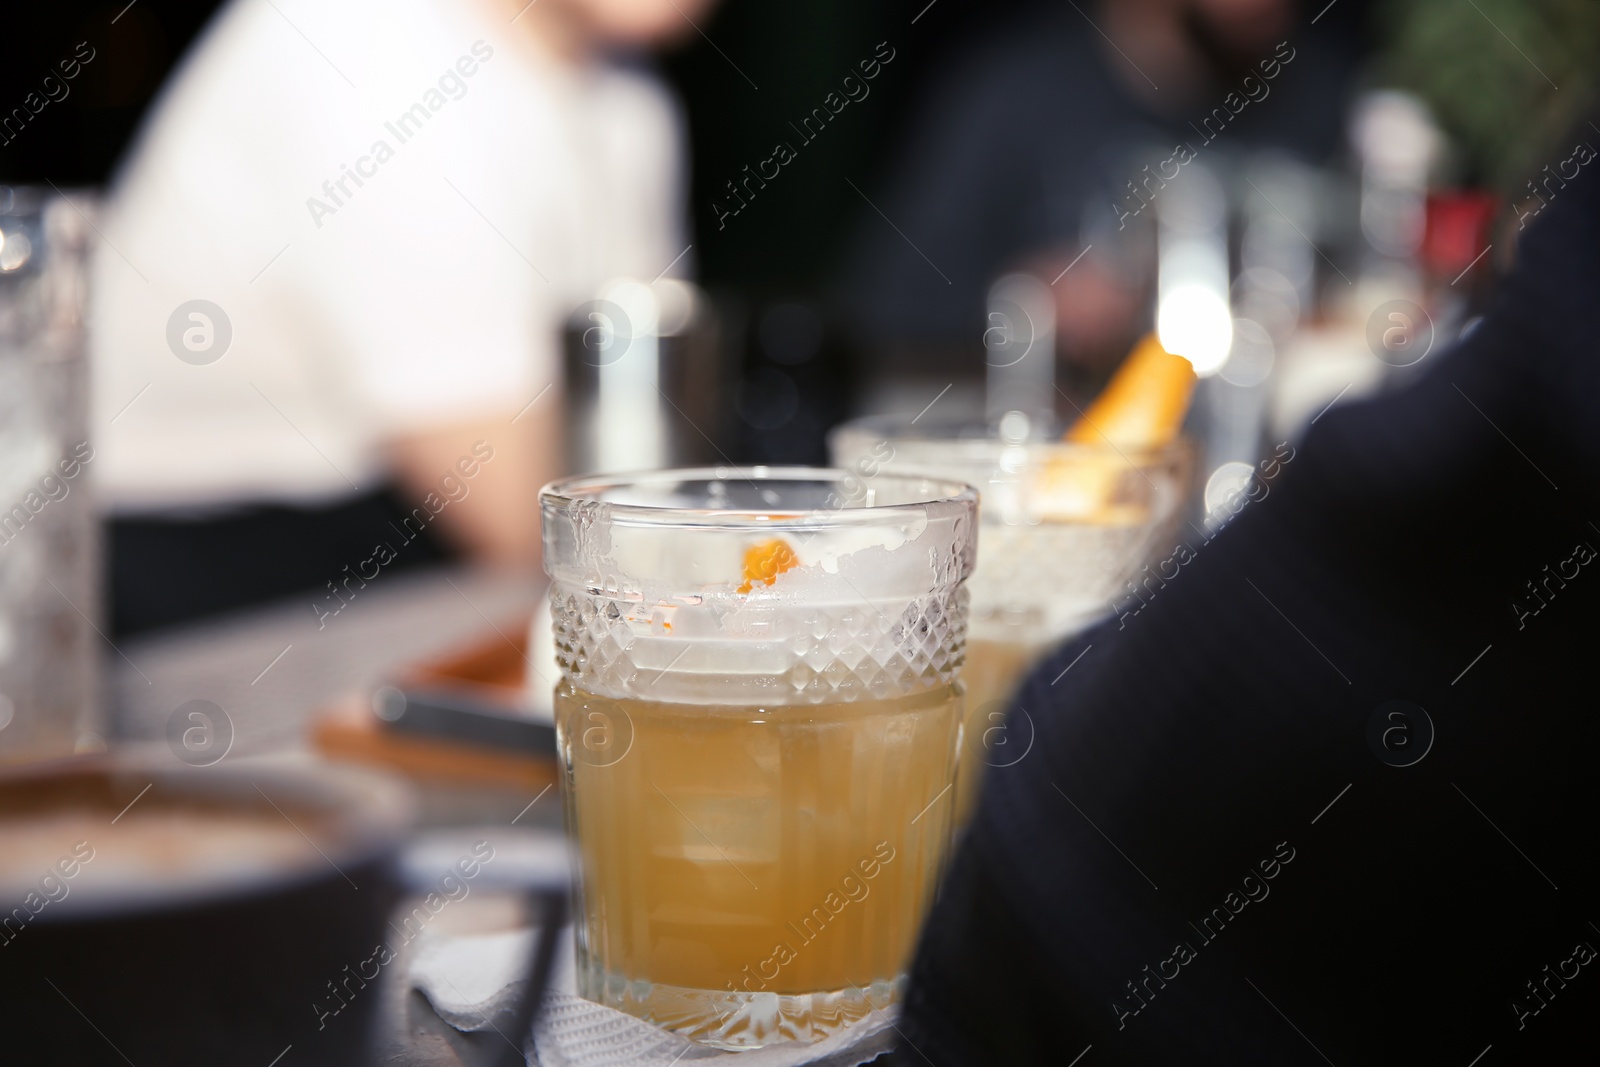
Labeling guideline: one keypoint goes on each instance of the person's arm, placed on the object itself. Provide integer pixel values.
(1283, 787)
(493, 513)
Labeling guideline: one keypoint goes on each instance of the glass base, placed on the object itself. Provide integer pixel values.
(738, 1021)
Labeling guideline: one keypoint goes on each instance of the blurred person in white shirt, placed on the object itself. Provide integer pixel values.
(338, 261)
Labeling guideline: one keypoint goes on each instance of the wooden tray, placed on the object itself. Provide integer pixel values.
(489, 672)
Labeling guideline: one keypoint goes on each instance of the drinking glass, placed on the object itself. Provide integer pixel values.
(1066, 528)
(758, 723)
(49, 546)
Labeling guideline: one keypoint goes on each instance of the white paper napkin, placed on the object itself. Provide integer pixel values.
(468, 980)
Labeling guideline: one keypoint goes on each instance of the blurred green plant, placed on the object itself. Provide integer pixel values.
(1508, 80)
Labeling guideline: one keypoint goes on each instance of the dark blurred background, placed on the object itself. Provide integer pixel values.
(788, 246)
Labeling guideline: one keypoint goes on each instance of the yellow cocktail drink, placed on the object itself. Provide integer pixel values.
(1065, 525)
(759, 723)
(756, 849)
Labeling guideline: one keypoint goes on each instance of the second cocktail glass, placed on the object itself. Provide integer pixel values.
(1065, 527)
(758, 723)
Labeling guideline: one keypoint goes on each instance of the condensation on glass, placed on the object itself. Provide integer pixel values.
(758, 720)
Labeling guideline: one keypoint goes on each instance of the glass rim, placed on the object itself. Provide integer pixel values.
(564, 495)
(947, 434)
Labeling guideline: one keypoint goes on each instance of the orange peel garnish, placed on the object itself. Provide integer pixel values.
(1142, 407)
(1144, 403)
(765, 561)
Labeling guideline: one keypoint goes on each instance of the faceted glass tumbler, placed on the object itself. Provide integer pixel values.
(758, 722)
(1066, 528)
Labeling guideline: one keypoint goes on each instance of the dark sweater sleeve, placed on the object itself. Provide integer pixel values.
(1221, 848)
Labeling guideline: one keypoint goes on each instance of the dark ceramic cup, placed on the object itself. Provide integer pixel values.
(233, 915)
